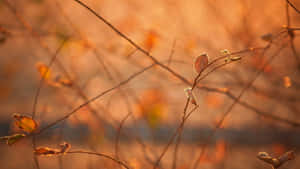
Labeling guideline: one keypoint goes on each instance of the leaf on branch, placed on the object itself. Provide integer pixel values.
(10, 140)
(46, 151)
(25, 123)
(201, 63)
(189, 94)
(276, 162)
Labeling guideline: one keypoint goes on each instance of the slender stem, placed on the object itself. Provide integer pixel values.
(100, 155)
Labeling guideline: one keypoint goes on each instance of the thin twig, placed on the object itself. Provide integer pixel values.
(171, 53)
(100, 155)
(184, 80)
(95, 98)
(220, 122)
(293, 6)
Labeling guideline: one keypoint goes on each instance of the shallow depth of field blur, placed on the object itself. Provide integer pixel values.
(150, 106)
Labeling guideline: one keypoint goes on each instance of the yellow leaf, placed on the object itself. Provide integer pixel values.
(46, 151)
(25, 123)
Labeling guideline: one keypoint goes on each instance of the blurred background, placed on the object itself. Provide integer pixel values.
(135, 121)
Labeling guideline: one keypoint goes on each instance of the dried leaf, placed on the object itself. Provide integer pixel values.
(25, 123)
(10, 140)
(46, 151)
(189, 94)
(276, 162)
(264, 156)
(201, 62)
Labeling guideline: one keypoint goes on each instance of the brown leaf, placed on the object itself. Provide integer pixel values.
(46, 151)
(276, 162)
(201, 62)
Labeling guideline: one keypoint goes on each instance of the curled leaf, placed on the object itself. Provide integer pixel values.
(276, 162)
(46, 151)
(201, 63)
(264, 156)
(10, 140)
(189, 94)
(25, 123)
